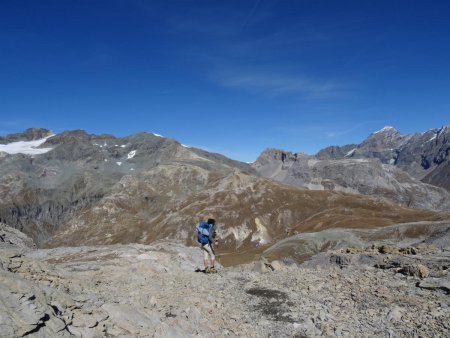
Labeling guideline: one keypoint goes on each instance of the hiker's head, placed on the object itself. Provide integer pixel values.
(211, 221)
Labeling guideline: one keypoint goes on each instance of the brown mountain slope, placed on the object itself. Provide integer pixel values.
(251, 212)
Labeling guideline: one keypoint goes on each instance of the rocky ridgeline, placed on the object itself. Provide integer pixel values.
(30, 134)
(411, 170)
(418, 154)
(356, 176)
(153, 291)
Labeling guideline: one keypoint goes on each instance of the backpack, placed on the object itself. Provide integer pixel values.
(203, 232)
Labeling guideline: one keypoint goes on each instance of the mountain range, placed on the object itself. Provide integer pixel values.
(76, 188)
(422, 155)
(411, 170)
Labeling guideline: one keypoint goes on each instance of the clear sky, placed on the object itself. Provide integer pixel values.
(233, 77)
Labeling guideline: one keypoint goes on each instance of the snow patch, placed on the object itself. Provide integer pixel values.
(183, 145)
(385, 128)
(433, 138)
(131, 154)
(123, 146)
(26, 147)
(350, 153)
(157, 135)
(119, 163)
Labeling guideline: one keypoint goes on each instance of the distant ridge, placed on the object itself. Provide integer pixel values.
(387, 165)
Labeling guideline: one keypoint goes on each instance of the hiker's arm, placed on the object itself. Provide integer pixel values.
(213, 237)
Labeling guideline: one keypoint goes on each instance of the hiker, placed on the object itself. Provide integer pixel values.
(206, 236)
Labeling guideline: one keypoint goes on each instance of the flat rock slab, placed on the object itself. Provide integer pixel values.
(436, 284)
(153, 291)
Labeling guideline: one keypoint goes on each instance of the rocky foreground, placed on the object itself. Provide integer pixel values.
(153, 291)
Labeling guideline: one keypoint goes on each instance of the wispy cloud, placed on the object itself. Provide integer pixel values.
(267, 59)
(251, 13)
(279, 84)
(342, 132)
(220, 18)
(325, 130)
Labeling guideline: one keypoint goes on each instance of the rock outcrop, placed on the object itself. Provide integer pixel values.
(10, 237)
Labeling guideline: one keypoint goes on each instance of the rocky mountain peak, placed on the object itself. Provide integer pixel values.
(386, 129)
(387, 138)
(279, 155)
(31, 134)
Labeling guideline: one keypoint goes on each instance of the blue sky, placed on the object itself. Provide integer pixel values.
(233, 77)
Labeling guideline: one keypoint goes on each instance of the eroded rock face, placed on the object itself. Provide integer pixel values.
(10, 237)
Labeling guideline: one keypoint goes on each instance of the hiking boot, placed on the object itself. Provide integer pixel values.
(212, 270)
(207, 269)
